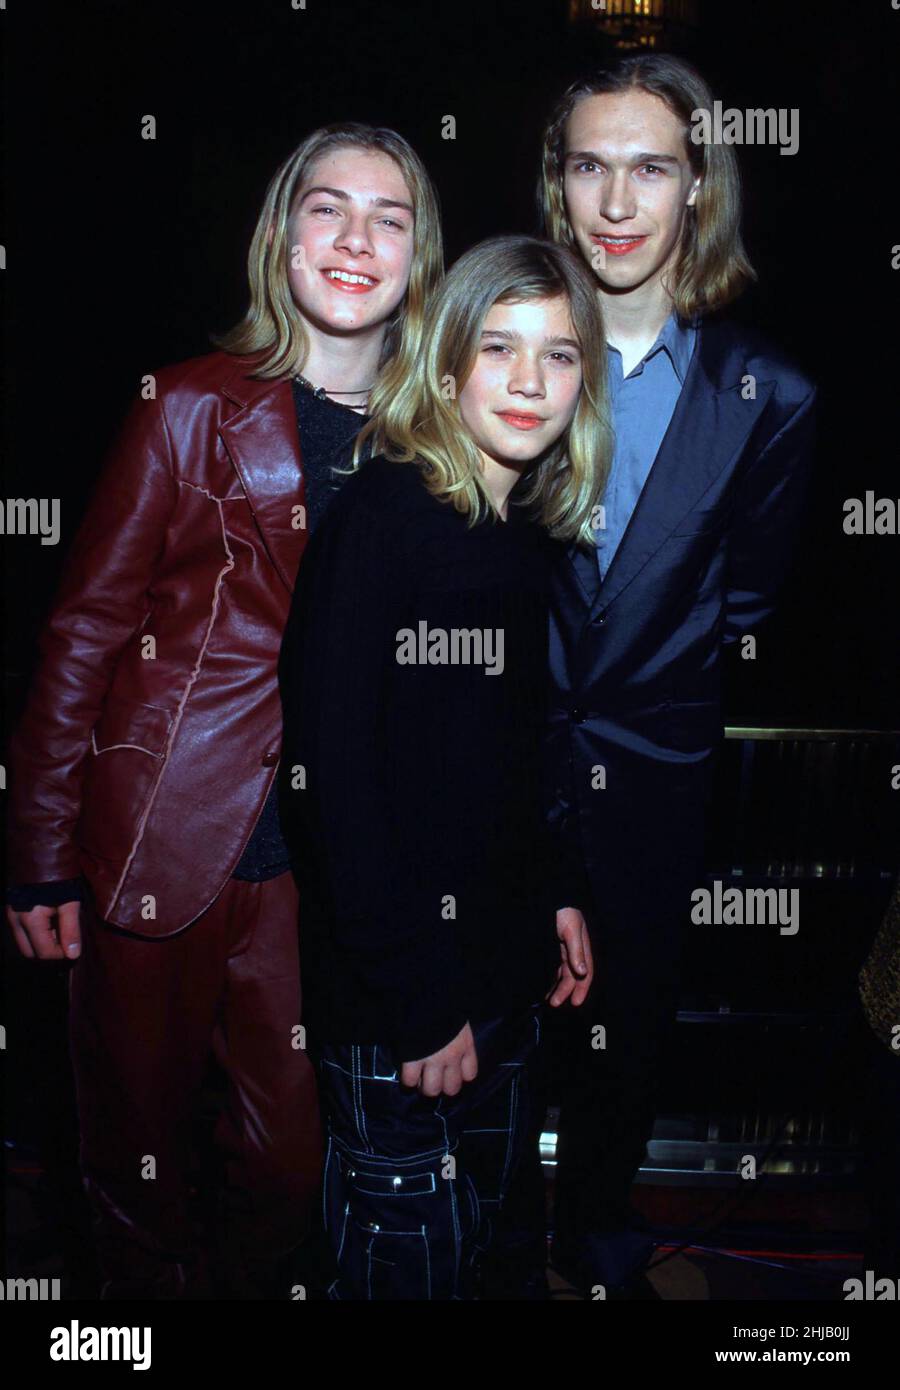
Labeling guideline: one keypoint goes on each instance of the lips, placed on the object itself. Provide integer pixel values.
(520, 421)
(617, 245)
(350, 281)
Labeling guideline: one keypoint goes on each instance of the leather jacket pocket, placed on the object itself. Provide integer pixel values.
(126, 756)
(129, 724)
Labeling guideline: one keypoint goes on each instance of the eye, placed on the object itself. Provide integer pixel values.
(392, 222)
(324, 207)
(495, 347)
(654, 167)
(564, 357)
(583, 166)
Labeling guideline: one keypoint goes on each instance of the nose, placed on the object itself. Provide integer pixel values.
(617, 198)
(526, 377)
(353, 237)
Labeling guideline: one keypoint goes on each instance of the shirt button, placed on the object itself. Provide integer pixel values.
(398, 1182)
(600, 619)
(578, 716)
(270, 758)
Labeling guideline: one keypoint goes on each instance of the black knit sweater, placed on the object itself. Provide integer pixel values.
(428, 886)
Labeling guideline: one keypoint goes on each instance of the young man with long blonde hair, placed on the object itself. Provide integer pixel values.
(713, 434)
(145, 842)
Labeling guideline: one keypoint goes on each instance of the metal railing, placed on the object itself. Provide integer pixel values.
(804, 803)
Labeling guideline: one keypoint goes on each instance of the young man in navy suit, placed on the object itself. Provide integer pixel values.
(713, 447)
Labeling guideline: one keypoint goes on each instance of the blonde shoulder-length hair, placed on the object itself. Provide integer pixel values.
(713, 267)
(422, 423)
(272, 330)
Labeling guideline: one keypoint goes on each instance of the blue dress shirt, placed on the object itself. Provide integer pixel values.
(643, 403)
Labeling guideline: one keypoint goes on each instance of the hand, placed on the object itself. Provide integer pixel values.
(36, 933)
(444, 1071)
(576, 971)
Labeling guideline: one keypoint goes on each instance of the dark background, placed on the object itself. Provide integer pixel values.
(123, 254)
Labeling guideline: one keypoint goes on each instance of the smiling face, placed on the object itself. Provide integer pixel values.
(351, 238)
(524, 387)
(627, 184)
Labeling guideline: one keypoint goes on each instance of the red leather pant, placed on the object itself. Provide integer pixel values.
(145, 1016)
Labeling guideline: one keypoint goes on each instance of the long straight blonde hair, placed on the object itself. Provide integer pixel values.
(422, 422)
(712, 267)
(272, 330)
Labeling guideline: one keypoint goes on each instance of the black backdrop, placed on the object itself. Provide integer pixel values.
(124, 254)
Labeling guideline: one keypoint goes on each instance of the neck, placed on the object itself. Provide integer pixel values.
(500, 479)
(633, 320)
(343, 363)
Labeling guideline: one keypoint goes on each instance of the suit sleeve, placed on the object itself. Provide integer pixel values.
(344, 830)
(768, 510)
(101, 602)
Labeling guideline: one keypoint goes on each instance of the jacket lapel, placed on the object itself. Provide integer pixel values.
(709, 427)
(263, 444)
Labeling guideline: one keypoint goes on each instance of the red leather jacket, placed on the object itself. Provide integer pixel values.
(144, 765)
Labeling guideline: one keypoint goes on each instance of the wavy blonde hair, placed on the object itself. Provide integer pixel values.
(272, 329)
(421, 424)
(712, 267)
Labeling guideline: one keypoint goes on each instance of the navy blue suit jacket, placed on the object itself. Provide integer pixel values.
(636, 659)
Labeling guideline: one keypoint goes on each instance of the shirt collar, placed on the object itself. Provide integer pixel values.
(676, 338)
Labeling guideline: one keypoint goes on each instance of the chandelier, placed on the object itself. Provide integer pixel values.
(638, 23)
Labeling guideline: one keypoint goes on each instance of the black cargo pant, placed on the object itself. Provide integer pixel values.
(412, 1182)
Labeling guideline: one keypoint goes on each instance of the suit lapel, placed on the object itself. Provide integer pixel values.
(709, 426)
(263, 444)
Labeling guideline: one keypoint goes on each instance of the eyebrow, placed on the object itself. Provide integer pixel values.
(642, 158)
(516, 337)
(342, 194)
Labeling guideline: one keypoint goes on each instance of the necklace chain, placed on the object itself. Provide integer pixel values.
(322, 391)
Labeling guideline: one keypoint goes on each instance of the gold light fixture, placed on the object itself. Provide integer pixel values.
(636, 24)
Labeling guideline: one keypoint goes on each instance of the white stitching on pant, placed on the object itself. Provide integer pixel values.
(427, 1260)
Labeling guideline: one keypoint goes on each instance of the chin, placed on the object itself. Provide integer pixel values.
(350, 323)
(525, 453)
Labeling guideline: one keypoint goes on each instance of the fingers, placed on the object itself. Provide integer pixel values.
(580, 992)
(583, 986)
(20, 936)
(565, 984)
(573, 938)
(441, 1080)
(576, 973)
(410, 1073)
(448, 1078)
(48, 933)
(38, 925)
(445, 1071)
(435, 1077)
(69, 930)
(586, 948)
